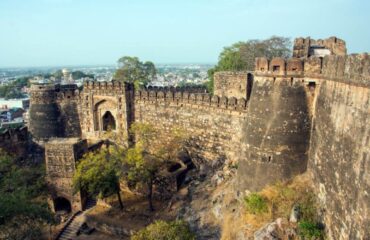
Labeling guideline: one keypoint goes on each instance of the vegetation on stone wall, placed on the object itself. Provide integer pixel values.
(99, 173)
(134, 71)
(278, 200)
(161, 230)
(241, 55)
(150, 155)
(23, 206)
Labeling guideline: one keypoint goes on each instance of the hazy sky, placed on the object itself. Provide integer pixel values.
(75, 32)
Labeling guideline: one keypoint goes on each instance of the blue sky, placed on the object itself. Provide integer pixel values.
(88, 32)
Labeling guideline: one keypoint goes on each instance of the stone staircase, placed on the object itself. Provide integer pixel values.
(69, 231)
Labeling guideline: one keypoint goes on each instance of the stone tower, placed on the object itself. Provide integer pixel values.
(61, 156)
(276, 132)
(44, 114)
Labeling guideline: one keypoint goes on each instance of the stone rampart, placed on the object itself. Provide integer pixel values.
(276, 133)
(351, 69)
(213, 124)
(339, 156)
(233, 84)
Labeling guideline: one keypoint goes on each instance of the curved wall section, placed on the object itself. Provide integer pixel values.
(275, 135)
(44, 115)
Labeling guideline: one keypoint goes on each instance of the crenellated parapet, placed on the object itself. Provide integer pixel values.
(351, 69)
(106, 88)
(43, 93)
(306, 47)
(279, 67)
(233, 84)
(200, 99)
(68, 93)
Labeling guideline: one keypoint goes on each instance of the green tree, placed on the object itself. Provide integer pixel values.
(134, 71)
(241, 55)
(23, 206)
(161, 230)
(151, 154)
(98, 173)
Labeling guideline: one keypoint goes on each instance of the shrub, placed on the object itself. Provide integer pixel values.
(162, 230)
(256, 204)
(309, 230)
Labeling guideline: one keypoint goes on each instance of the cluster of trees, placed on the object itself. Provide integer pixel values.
(140, 165)
(241, 55)
(23, 206)
(132, 70)
(13, 89)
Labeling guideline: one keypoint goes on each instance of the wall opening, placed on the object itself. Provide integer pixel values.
(312, 86)
(62, 204)
(109, 123)
(276, 68)
(249, 85)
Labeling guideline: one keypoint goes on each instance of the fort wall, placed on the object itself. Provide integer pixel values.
(233, 84)
(97, 99)
(213, 124)
(340, 146)
(276, 133)
(45, 115)
(61, 156)
(68, 99)
(294, 115)
(340, 158)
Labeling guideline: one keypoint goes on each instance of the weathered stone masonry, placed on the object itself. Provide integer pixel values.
(288, 116)
(340, 146)
(214, 124)
(61, 156)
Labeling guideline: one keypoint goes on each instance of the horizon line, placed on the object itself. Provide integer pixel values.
(96, 65)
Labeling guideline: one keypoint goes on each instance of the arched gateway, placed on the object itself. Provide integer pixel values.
(109, 123)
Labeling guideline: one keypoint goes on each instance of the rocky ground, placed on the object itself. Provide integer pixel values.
(208, 202)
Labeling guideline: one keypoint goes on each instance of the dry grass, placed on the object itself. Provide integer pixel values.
(280, 199)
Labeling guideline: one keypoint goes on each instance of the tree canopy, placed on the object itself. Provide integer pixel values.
(98, 173)
(132, 70)
(241, 55)
(23, 206)
(150, 154)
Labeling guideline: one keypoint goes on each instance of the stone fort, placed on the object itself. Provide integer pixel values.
(288, 116)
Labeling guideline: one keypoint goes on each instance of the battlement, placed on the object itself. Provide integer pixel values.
(44, 87)
(43, 93)
(111, 86)
(352, 69)
(306, 47)
(201, 99)
(280, 67)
